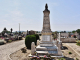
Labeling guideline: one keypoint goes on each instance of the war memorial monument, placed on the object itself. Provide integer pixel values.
(47, 46)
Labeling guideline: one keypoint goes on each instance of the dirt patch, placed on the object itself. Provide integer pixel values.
(20, 56)
(68, 56)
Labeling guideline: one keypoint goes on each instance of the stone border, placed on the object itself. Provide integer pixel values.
(10, 54)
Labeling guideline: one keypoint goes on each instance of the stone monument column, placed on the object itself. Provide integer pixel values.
(46, 21)
(46, 31)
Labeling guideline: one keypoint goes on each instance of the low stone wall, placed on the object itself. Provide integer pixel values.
(68, 40)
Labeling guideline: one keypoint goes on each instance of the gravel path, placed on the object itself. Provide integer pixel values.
(6, 49)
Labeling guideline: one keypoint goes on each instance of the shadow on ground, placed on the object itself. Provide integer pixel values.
(67, 58)
(64, 48)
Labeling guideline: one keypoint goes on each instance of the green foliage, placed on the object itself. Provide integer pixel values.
(62, 59)
(78, 43)
(0, 38)
(70, 53)
(37, 37)
(73, 31)
(6, 31)
(77, 59)
(55, 34)
(29, 39)
(9, 41)
(69, 32)
(78, 30)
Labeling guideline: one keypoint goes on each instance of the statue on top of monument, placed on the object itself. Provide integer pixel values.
(46, 7)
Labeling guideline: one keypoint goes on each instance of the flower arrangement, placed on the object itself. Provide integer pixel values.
(35, 56)
(1, 38)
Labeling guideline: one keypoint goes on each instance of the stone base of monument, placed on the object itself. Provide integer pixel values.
(42, 44)
(51, 50)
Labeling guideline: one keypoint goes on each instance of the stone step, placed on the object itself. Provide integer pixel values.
(52, 48)
(53, 52)
(46, 42)
(43, 45)
(47, 52)
(42, 52)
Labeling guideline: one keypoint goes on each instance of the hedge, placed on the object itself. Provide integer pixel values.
(37, 37)
(29, 39)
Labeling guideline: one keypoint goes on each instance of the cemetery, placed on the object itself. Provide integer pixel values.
(9, 37)
(45, 45)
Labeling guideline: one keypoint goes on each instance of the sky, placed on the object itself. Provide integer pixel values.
(64, 14)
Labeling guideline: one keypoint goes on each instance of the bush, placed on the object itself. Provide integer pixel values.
(78, 43)
(37, 36)
(70, 53)
(29, 39)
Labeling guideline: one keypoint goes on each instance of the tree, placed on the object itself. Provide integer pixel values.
(6, 31)
(78, 30)
(64, 31)
(73, 31)
(69, 32)
(55, 34)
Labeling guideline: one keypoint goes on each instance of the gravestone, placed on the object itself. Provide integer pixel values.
(32, 48)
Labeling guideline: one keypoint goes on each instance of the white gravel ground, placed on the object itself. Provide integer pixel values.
(6, 49)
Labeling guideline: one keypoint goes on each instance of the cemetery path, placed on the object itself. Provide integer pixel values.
(7, 49)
